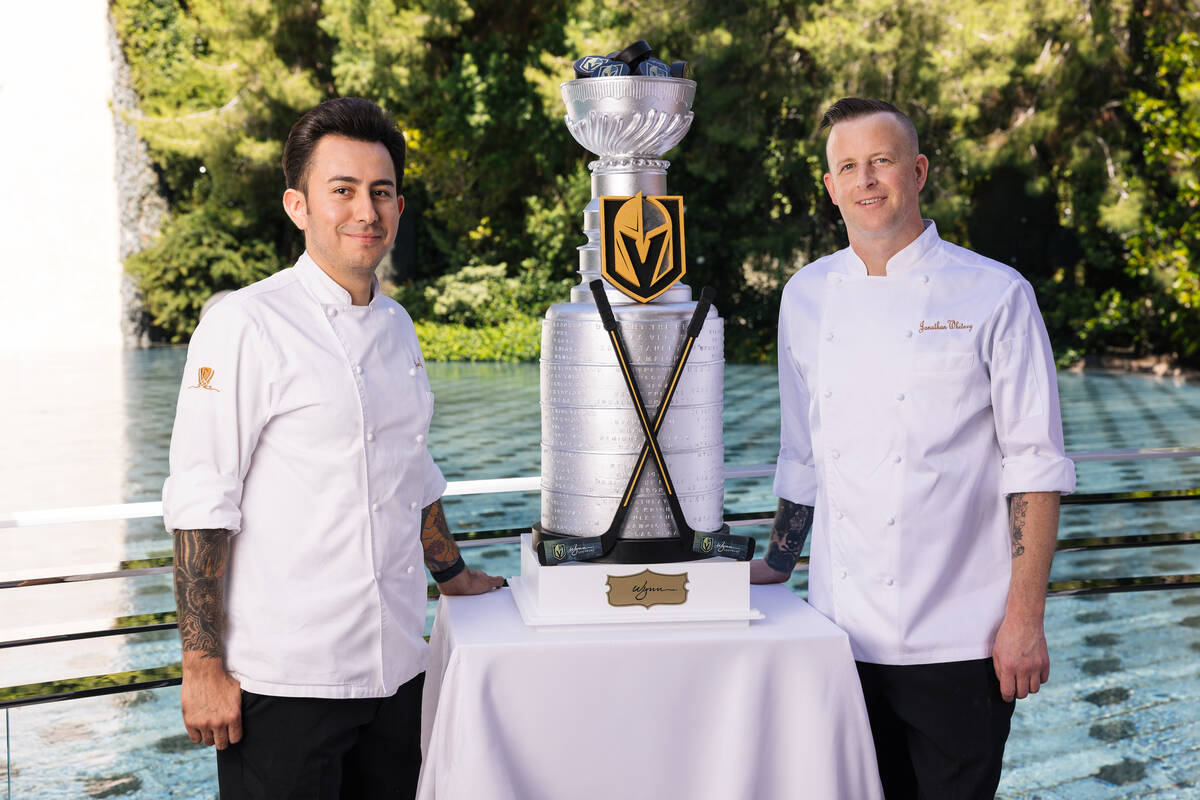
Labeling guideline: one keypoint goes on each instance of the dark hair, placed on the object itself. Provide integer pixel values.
(352, 117)
(853, 107)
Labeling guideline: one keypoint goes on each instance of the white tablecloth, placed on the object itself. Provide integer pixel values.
(769, 710)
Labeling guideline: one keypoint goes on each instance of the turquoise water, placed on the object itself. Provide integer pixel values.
(1118, 718)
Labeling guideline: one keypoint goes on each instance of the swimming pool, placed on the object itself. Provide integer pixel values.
(1118, 718)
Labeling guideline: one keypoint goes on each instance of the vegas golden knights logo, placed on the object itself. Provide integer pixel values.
(641, 244)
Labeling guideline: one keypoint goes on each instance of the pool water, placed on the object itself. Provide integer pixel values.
(1118, 718)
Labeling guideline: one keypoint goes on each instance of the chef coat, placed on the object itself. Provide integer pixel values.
(301, 427)
(912, 405)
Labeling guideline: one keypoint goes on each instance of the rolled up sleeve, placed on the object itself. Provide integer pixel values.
(1025, 404)
(795, 471)
(435, 483)
(224, 402)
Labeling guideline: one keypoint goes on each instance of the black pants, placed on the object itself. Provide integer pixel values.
(939, 729)
(300, 748)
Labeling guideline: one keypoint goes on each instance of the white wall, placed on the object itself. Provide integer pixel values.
(60, 270)
(62, 396)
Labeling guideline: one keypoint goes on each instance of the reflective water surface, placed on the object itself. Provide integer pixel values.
(1118, 718)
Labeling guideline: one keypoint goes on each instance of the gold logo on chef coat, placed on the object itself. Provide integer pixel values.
(647, 588)
(641, 244)
(203, 380)
(947, 325)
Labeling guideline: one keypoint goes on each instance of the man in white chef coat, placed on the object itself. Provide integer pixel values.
(921, 440)
(303, 498)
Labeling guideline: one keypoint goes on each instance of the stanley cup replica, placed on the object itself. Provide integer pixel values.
(592, 437)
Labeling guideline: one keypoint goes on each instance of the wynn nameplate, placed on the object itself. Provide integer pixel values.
(647, 588)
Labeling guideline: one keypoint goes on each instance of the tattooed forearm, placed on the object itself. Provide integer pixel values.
(792, 523)
(1017, 506)
(201, 558)
(440, 550)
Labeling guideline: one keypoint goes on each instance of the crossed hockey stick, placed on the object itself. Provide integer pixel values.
(715, 543)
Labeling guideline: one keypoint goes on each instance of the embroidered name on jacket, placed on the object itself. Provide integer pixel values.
(948, 325)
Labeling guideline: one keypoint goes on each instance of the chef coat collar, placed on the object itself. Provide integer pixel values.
(914, 254)
(324, 288)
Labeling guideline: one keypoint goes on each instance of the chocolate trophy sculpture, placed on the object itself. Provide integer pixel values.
(632, 367)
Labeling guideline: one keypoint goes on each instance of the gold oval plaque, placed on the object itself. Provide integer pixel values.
(647, 588)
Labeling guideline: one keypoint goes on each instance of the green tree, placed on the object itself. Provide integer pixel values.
(1062, 134)
(1159, 212)
(220, 84)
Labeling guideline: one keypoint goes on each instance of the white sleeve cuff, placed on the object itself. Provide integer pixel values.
(202, 501)
(1037, 473)
(435, 483)
(796, 482)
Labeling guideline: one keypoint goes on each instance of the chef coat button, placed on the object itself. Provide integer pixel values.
(412, 371)
(908, 334)
(842, 573)
(331, 312)
(420, 438)
(374, 506)
(888, 581)
(370, 437)
(412, 506)
(900, 395)
(839, 515)
(896, 459)
(409, 570)
(829, 337)
(358, 368)
(924, 279)
(828, 394)
(835, 455)
(891, 520)
(392, 311)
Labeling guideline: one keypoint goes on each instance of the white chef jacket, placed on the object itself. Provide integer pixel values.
(301, 427)
(912, 405)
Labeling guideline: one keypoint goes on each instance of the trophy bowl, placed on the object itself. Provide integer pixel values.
(629, 115)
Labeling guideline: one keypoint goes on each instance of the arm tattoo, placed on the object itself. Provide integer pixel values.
(440, 550)
(1017, 505)
(792, 523)
(201, 557)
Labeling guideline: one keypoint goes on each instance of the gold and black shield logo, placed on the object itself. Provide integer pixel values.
(641, 244)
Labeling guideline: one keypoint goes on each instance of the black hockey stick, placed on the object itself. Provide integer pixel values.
(586, 548)
(711, 543)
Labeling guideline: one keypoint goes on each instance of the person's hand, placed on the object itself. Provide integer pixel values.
(1020, 658)
(212, 702)
(761, 573)
(470, 581)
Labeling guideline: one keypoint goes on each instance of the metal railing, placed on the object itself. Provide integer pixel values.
(169, 675)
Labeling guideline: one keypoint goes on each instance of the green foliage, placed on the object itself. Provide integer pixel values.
(220, 85)
(475, 295)
(1063, 137)
(1164, 240)
(518, 339)
(195, 257)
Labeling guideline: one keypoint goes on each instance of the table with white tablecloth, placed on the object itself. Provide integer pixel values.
(772, 709)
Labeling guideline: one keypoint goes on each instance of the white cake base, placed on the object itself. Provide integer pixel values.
(576, 594)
